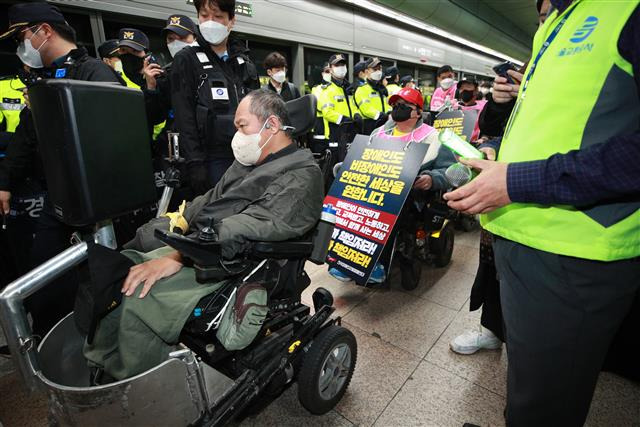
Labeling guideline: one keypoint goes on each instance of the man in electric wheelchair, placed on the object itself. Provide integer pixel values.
(272, 192)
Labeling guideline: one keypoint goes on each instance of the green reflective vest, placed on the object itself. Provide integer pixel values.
(581, 93)
(370, 102)
(12, 102)
(335, 104)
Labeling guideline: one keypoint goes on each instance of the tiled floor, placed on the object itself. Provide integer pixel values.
(406, 375)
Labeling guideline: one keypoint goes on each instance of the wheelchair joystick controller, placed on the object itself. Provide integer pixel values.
(208, 233)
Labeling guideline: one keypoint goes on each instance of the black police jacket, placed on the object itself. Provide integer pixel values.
(22, 159)
(205, 99)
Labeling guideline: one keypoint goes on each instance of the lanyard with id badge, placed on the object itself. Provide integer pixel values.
(541, 52)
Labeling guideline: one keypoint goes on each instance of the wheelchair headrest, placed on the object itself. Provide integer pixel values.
(302, 113)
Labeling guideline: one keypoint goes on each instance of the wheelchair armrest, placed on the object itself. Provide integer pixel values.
(203, 254)
(281, 250)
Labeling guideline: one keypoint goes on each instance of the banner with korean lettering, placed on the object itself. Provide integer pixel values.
(461, 122)
(368, 194)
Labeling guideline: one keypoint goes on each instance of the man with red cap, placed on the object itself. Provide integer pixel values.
(407, 126)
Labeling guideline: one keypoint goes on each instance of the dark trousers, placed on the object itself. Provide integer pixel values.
(561, 314)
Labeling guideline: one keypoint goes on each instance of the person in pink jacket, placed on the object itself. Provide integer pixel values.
(446, 90)
(467, 93)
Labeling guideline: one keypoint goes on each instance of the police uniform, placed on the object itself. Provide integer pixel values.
(392, 87)
(12, 103)
(336, 104)
(22, 162)
(319, 130)
(371, 99)
(206, 90)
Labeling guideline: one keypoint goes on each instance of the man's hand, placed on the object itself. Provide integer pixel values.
(487, 192)
(489, 153)
(148, 273)
(424, 182)
(151, 73)
(504, 92)
(5, 202)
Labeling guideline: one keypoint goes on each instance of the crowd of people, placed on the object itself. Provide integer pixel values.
(558, 189)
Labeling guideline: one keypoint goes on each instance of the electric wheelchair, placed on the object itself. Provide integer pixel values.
(201, 383)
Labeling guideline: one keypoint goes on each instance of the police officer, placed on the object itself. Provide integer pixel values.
(45, 40)
(317, 90)
(359, 74)
(179, 33)
(11, 104)
(143, 72)
(371, 98)
(407, 82)
(392, 76)
(336, 103)
(208, 82)
(109, 53)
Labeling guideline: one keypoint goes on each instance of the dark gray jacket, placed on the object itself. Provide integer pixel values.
(278, 200)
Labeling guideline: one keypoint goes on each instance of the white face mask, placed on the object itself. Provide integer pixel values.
(280, 76)
(117, 65)
(214, 32)
(176, 46)
(376, 75)
(446, 83)
(246, 148)
(326, 77)
(484, 90)
(28, 54)
(339, 72)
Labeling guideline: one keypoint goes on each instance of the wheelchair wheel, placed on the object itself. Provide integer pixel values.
(410, 274)
(327, 369)
(442, 247)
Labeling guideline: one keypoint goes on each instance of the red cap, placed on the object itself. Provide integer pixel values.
(412, 96)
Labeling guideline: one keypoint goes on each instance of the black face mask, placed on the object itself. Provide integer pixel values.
(466, 96)
(132, 65)
(401, 112)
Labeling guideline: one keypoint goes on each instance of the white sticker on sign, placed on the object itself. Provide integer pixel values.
(202, 57)
(220, 93)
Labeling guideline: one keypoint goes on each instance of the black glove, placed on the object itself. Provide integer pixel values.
(357, 119)
(198, 178)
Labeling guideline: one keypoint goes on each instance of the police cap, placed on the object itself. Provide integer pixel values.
(22, 14)
(108, 49)
(373, 62)
(360, 66)
(391, 72)
(337, 58)
(135, 39)
(180, 24)
(405, 79)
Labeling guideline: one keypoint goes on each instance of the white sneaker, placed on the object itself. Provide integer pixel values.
(475, 339)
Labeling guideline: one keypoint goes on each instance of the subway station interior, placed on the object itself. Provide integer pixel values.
(320, 213)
